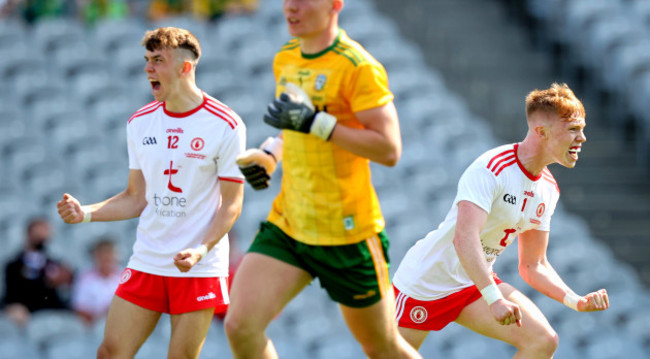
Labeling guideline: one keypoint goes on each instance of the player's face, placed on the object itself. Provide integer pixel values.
(307, 18)
(566, 139)
(162, 72)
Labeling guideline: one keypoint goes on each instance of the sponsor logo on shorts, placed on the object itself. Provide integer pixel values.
(540, 210)
(126, 275)
(368, 294)
(206, 297)
(419, 314)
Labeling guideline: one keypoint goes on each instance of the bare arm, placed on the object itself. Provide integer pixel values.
(124, 205)
(380, 139)
(536, 270)
(232, 197)
(467, 241)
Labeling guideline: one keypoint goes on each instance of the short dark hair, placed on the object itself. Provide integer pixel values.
(172, 38)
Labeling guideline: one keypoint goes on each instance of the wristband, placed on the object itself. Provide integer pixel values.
(491, 293)
(274, 147)
(571, 300)
(87, 216)
(203, 250)
(323, 125)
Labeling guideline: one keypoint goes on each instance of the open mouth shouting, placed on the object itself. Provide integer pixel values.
(573, 152)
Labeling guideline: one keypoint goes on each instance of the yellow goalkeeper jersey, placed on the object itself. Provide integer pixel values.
(327, 197)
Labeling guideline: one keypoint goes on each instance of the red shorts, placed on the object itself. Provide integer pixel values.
(434, 314)
(173, 295)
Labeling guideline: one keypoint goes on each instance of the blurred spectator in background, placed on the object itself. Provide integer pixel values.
(201, 9)
(33, 10)
(92, 10)
(93, 289)
(33, 280)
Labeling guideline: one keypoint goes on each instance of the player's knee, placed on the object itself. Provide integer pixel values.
(381, 350)
(235, 327)
(544, 344)
(104, 351)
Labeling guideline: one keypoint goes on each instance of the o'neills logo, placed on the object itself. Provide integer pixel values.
(175, 130)
(206, 297)
(126, 275)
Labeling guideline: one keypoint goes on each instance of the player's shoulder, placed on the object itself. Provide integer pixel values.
(291, 45)
(547, 177)
(145, 110)
(353, 51)
(498, 158)
(222, 112)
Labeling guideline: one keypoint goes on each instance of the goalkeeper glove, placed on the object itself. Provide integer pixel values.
(293, 110)
(257, 164)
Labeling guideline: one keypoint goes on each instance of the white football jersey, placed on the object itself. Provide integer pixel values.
(515, 200)
(183, 157)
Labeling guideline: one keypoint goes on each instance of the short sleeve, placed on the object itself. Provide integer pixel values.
(369, 87)
(477, 185)
(232, 146)
(134, 164)
(548, 213)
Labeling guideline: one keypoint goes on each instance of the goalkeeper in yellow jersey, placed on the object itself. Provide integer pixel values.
(337, 114)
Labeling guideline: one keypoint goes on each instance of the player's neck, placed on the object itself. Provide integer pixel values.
(530, 157)
(319, 42)
(186, 99)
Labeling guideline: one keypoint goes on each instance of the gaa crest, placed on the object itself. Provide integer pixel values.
(320, 82)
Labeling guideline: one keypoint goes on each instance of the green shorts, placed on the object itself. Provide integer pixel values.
(355, 275)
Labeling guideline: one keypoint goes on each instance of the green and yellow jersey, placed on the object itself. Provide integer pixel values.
(327, 197)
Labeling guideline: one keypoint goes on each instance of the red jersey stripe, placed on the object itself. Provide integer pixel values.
(221, 117)
(505, 159)
(500, 155)
(230, 179)
(147, 107)
(505, 165)
(222, 109)
(141, 113)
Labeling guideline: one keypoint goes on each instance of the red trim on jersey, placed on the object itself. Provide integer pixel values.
(546, 174)
(505, 165)
(222, 111)
(523, 169)
(186, 113)
(230, 179)
(497, 156)
(145, 110)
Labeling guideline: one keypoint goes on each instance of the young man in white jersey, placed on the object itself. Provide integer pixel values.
(506, 192)
(187, 190)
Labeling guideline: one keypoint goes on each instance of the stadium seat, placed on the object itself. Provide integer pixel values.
(19, 348)
(195, 26)
(80, 347)
(128, 61)
(613, 346)
(48, 326)
(51, 32)
(110, 34)
(236, 31)
(255, 57)
(8, 329)
(604, 36)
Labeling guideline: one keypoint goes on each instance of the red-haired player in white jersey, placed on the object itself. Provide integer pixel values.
(187, 190)
(506, 192)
